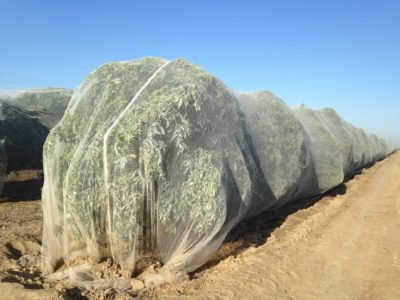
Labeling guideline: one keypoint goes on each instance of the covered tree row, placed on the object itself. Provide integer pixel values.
(159, 158)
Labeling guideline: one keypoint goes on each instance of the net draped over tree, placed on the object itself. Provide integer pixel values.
(159, 158)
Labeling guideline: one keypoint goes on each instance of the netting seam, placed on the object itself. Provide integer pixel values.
(105, 140)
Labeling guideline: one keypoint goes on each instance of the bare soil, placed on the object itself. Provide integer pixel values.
(342, 245)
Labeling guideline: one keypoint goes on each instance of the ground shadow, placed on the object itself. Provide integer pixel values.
(13, 253)
(22, 278)
(15, 191)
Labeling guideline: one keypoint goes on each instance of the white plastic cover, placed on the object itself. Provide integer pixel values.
(159, 158)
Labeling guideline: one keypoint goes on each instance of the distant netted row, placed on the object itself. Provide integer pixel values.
(3, 165)
(159, 158)
(25, 121)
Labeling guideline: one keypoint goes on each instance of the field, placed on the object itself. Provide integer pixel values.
(343, 245)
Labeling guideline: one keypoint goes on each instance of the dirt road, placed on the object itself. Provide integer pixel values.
(344, 246)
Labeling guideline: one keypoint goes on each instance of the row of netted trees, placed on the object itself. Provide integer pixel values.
(25, 120)
(159, 158)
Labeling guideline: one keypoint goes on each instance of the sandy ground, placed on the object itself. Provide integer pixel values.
(345, 245)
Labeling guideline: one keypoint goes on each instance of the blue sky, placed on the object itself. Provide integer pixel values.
(341, 54)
